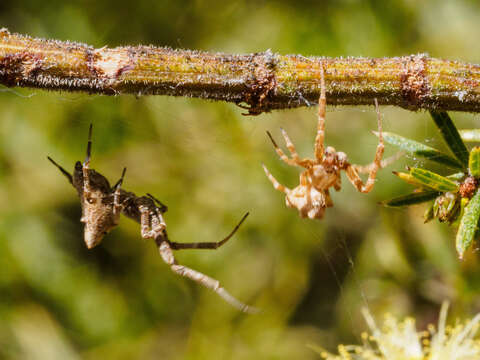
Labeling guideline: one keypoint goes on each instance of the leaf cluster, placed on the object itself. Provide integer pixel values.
(454, 198)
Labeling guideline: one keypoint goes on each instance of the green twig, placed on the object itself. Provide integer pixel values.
(260, 82)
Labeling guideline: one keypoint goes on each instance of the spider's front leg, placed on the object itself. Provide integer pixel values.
(210, 283)
(377, 162)
(295, 160)
(62, 170)
(322, 109)
(117, 205)
(86, 167)
(151, 222)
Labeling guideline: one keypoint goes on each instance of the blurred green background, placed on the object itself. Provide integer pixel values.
(59, 300)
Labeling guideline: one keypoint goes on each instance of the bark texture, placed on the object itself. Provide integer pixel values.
(259, 82)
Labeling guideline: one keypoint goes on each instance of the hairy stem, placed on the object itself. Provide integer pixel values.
(259, 82)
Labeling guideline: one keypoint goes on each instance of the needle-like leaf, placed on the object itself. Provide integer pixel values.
(408, 178)
(451, 136)
(474, 162)
(412, 199)
(433, 181)
(420, 150)
(468, 224)
(457, 176)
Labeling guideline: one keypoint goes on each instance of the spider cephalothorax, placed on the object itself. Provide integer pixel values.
(101, 209)
(311, 197)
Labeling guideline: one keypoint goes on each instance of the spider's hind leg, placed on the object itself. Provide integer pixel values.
(351, 171)
(275, 183)
(365, 169)
(167, 255)
(207, 245)
(328, 199)
(322, 108)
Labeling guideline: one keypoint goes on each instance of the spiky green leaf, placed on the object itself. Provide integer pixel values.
(420, 150)
(474, 161)
(433, 181)
(451, 136)
(408, 178)
(412, 199)
(468, 224)
(470, 135)
(457, 176)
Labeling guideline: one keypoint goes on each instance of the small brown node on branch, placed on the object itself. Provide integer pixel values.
(262, 84)
(413, 81)
(468, 187)
(4, 32)
(16, 67)
(91, 55)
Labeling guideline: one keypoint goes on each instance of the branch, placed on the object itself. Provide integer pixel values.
(259, 82)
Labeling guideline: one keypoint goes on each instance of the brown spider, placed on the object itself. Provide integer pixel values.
(312, 196)
(101, 209)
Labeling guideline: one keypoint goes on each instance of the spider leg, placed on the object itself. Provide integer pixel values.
(322, 105)
(86, 164)
(304, 179)
(64, 172)
(207, 245)
(117, 206)
(167, 255)
(308, 195)
(365, 169)
(351, 171)
(328, 199)
(338, 183)
(151, 225)
(275, 183)
(162, 207)
(120, 181)
(293, 162)
(290, 146)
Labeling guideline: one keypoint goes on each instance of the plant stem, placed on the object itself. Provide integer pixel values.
(259, 82)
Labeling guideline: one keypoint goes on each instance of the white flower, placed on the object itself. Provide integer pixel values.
(401, 341)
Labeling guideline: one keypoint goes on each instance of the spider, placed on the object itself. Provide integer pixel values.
(311, 197)
(101, 209)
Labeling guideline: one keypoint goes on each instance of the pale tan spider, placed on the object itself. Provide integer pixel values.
(312, 196)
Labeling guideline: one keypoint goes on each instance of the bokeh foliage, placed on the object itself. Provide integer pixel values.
(119, 301)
